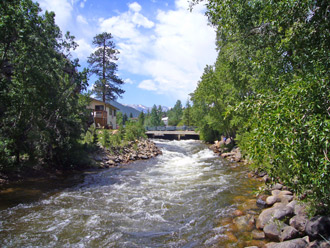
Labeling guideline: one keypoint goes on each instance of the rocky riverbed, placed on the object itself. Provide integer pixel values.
(283, 221)
(132, 151)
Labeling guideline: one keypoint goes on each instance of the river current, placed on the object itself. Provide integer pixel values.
(174, 200)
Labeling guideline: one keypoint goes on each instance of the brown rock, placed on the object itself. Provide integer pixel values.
(245, 222)
(231, 237)
(238, 212)
(271, 200)
(273, 229)
(258, 234)
(294, 243)
(283, 213)
(299, 223)
(287, 233)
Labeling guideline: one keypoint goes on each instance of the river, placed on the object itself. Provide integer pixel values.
(175, 200)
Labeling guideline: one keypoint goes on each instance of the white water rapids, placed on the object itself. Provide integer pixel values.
(173, 200)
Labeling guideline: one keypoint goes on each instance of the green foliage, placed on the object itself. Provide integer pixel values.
(102, 64)
(41, 112)
(105, 138)
(175, 114)
(141, 118)
(187, 115)
(119, 118)
(134, 131)
(155, 118)
(270, 87)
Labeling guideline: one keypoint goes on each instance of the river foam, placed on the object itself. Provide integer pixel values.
(169, 201)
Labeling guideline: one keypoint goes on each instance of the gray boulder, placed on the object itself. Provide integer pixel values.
(294, 243)
(288, 232)
(317, 226)
(299, 223)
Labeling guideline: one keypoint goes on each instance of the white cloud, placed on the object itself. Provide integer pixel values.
(81, 19)
(128, 81)
(171, 53)
(83, 50)
(135, 7)
(62, 9)
(148, 85)
(82, 3)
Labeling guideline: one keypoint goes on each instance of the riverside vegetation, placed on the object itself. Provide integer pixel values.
(43, 115)
(269, 89)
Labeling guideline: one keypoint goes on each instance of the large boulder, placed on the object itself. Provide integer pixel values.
(288, 232)
(267, 215)
(318, 226)
(299, 223)
(294, 243)
(273, 230)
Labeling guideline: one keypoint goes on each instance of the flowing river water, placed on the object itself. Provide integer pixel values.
(178, 199)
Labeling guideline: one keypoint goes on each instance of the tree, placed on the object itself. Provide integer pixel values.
(186, 117)
(270, 86)
(141, 118)
(130, 115)
(155, 120)
(119, 118)
(175, 114)
(125, 119)
(102, 64)
(41, 109)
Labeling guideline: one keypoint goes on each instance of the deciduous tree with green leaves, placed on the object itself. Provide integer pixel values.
(41, 109)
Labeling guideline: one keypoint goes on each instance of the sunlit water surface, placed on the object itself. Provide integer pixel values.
(174, 200)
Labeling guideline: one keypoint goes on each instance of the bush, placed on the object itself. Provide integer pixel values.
(134, 131)
(288, 136)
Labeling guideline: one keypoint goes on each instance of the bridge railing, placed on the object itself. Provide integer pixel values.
(171, 128)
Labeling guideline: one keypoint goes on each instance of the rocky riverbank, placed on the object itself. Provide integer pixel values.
(282, 221)
(132, 151)
(101, 158)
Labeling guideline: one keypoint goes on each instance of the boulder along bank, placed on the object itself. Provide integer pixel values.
(282, 220)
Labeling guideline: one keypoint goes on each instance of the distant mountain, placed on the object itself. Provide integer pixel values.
(145, 109)
(125, 109)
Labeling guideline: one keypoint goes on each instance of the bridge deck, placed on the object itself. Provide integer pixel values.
(173, 134)
(162, 133)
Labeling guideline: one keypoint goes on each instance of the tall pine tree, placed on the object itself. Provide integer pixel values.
(102, 64)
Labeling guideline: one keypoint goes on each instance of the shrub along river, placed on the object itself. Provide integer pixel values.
(182, 198)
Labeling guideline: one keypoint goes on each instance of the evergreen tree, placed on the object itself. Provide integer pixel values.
(175, 114)
(154, 117)
(125, 119)
(102, 64)
(141, 118)
(186, 117)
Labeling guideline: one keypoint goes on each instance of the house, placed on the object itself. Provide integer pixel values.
(104, 114)
(165, 120)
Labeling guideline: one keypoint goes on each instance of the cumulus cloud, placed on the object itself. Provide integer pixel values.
(148, 85)
(83, 50)
(135, 7)
(81, 19)
(128, 81)
(183, 45)
(62, 9)
(172, 53)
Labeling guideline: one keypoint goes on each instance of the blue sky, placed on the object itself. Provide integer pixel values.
(163, 46)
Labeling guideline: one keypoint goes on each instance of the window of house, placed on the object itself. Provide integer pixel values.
(99, 107)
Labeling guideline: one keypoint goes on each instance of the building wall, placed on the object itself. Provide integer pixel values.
(111, 117)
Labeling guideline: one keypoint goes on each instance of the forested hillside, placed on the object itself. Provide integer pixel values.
(270, 88)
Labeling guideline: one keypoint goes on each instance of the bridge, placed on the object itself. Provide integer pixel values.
(172, 132)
